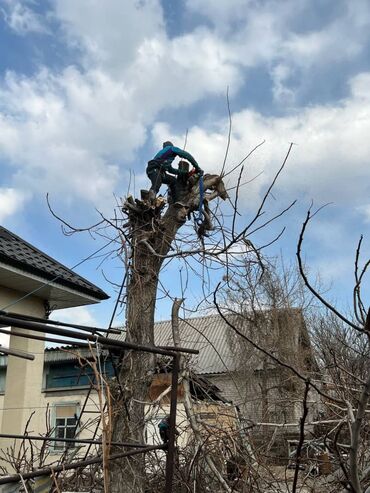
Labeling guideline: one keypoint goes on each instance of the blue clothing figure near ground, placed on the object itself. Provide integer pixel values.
(164, 429)
(160, 167)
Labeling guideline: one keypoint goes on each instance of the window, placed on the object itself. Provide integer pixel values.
(2, 374)
(65, 424)
(69, 374)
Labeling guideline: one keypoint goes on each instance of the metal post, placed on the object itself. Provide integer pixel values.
(105, 341)
(75, 465)
(70, 440)
(48, 321)
(171, 445)
(16, 352)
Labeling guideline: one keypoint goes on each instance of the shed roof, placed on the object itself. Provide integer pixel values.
(18, 253)
(210, 335)
(219, 348)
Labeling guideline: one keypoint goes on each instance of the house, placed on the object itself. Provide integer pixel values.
(230, 378)
(69, 397)
(256, 384)
(32, 284)
(267, 395)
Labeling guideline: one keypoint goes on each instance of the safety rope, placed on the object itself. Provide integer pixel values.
(199, 217)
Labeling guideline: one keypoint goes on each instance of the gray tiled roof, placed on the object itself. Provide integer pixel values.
(16, 252)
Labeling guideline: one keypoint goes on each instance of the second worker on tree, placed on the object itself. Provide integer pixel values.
(160, 169)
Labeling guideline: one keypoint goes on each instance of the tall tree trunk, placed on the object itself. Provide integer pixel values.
(151, 236)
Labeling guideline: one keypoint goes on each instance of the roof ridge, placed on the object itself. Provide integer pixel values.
(190, 318)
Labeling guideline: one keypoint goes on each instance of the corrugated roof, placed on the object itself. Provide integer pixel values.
(217, 343)
(16, 252)
(65, 353)
(210, 335)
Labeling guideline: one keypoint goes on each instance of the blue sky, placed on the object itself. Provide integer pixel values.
(89, 90)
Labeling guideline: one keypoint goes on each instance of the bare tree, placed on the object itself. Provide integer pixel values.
(149, 234)
(344, 348)
(152, 233)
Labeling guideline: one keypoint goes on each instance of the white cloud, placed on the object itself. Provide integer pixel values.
(280, 74)
(55, 132)
(22, 19)
(11, 202)
(4, 338)
(110, 32)
(73, 131)
(330, 162)
(265, 34)
(221, 13)
(69, 132)
(178, 72)
(79, 315)
(364, 210)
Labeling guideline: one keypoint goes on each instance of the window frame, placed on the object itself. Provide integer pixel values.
(65, 445)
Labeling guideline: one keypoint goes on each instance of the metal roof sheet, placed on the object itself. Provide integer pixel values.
(16, 252)
(65, 353)
(210, 335)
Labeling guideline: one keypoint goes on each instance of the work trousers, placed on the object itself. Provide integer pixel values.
(157, 177)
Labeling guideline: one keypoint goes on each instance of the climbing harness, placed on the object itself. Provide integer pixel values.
(199, 217)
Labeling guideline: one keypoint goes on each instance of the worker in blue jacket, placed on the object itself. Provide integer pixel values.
(160, 166)
(164, 429)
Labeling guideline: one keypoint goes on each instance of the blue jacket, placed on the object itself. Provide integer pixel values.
(164, 158)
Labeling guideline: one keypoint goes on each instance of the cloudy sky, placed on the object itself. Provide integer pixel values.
(90, 89)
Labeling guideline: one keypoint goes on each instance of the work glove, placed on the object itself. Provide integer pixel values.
(200, 172)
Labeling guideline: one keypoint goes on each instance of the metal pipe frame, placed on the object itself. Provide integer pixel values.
(104, 341)
(75, 465)
(70, 440)
(114, 344)
(17, 353)
(48, 321)
(46, 338)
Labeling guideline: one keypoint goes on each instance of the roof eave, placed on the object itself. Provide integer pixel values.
(57, 294)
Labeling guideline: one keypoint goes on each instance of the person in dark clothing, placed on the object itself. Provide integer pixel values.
(164, 429)
(160, 166)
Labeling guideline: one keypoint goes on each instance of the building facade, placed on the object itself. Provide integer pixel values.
(31, 284)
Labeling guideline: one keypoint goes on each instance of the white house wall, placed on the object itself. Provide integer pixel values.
(24, 378)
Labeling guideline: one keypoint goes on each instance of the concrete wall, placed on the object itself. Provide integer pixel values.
(24, 378)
